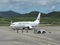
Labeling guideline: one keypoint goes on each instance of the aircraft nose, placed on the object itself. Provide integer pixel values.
(11, 25)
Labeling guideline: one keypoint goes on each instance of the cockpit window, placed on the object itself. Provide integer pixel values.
(13, 24)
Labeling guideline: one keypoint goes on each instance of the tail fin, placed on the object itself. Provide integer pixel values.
(38, 18)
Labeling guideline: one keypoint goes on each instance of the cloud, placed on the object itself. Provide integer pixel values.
(4, 1)
(28, 4)
(43, 2)
(38, 2)
(53, 8)
(20, 3)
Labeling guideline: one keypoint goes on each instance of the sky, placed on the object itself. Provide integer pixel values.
(26, 6)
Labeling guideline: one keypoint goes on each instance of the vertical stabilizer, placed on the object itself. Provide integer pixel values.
(38, 18)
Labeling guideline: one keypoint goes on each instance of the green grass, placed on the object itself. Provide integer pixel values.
(44, 20)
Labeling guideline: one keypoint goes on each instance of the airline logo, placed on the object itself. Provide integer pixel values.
(38, 18)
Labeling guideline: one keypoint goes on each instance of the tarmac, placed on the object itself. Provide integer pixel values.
(11, 37)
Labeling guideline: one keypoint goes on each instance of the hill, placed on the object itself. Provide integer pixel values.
(54, 14)
(8, 14)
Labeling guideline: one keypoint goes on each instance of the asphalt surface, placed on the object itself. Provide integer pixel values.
(11, 37)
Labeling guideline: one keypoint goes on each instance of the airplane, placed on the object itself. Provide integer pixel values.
(23, 25)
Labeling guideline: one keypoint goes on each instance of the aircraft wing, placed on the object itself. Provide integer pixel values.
(29, 26)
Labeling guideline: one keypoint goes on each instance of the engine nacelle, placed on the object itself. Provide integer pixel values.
(29, 27)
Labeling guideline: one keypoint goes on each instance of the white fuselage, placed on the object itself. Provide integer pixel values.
(29, 25)
(18, 25)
